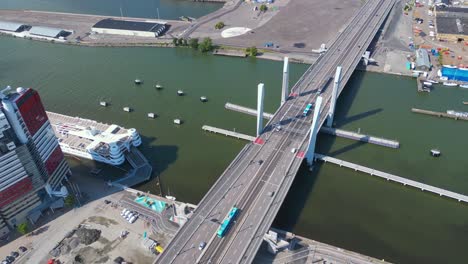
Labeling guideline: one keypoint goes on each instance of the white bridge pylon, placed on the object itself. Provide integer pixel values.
(260, 96)
(285, 86)
(313, 132)
(336, 86)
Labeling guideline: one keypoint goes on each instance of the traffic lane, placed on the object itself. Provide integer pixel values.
(250, 195)
(227, 205)
(247, 230)
(199, 215)
(259, 202)
(216, 243)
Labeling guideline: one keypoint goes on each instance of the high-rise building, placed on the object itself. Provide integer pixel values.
(32, 165)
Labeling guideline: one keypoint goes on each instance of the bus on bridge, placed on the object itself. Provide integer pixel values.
(227, 222)
(307, 110)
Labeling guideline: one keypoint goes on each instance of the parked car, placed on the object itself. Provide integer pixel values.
(23, 249)
(14, 254)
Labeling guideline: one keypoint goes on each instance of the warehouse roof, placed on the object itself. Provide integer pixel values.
(10, 26)
(46, 31)
(129, 25)
(452, 25)
(453, 9)
(422, 58)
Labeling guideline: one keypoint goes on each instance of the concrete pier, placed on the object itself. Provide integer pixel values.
(439, 114)
(230, 53)
(361, 137)
(391, 177)
(227, 133)
(331, 131)
(246, 110)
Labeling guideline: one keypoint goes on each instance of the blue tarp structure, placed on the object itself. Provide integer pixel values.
(455, 74)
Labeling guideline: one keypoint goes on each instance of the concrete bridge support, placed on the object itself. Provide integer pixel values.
(336, 86)
(261, 94)
(313, 132)
(285, 90)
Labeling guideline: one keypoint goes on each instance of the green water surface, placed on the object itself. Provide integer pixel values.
(331, 204)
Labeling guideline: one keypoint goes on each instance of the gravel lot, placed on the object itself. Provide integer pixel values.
(294, 25)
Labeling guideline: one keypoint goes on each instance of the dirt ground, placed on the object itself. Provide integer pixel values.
(293, 25)
(109, 245)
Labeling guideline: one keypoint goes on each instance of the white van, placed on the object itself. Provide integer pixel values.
(129, 216)
(133, 219)
(123, 212)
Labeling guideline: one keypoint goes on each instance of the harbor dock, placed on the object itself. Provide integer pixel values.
(230, 53)
(228, 133)
(438, 114)
(331, 131)
(421, 86)
(391, 177)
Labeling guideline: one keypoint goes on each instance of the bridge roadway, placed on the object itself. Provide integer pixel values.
(259, 178)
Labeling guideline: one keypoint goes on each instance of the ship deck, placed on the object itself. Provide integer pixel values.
(63, 125)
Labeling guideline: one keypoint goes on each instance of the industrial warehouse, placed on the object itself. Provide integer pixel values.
(130, 28)
(24, 30)
(452, 24)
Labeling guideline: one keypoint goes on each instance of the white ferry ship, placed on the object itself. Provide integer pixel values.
(92, 140)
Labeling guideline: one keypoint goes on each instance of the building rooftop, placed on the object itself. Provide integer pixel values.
(46, 31)
(129, 25)
(451, 25)
(10, 26)
(422, 58)
(452, 10)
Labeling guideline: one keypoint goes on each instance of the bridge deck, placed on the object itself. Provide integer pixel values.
(391, 177)
(259, 178)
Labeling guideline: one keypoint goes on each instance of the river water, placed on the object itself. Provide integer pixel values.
(168, 9)
(331, 204)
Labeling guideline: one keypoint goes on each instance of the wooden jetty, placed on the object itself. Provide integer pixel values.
(228, 133)
(390, 177)
(439, 114)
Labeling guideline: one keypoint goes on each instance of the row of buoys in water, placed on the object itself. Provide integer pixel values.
(149, 115)
(179, 92)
